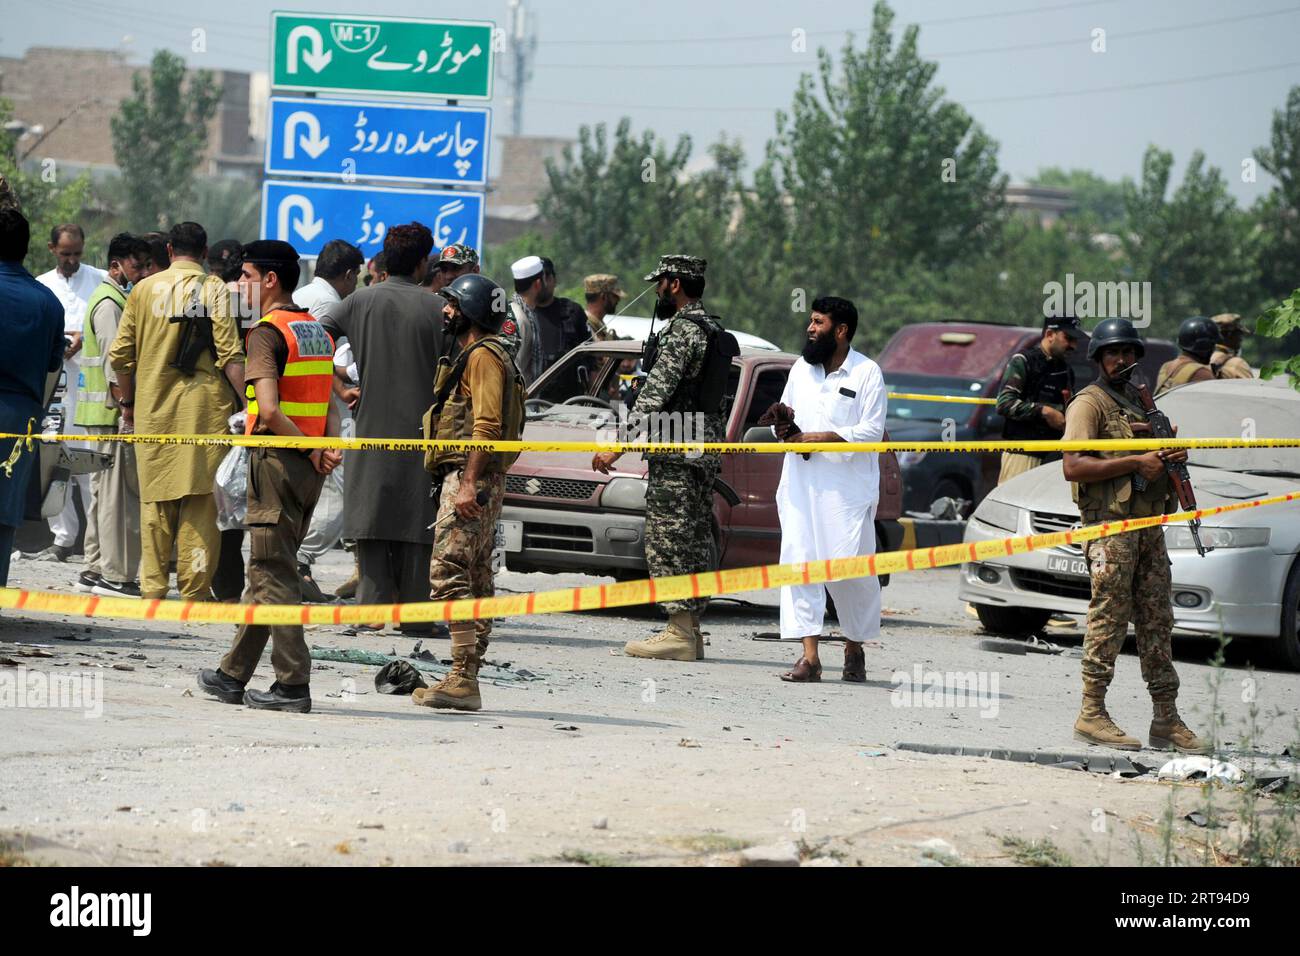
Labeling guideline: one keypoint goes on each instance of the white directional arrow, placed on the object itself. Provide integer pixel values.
(313, 143)
(317, 57)
(307, 226)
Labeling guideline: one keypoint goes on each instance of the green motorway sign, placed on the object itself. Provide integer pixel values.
(448, 59)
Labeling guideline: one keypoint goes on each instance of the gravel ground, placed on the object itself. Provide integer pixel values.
(605, 759)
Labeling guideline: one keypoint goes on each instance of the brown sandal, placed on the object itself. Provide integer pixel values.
(855, 663)
(803, 672)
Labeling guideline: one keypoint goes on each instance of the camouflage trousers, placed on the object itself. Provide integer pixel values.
(1130, 582)
(679, 524)
(461, 565)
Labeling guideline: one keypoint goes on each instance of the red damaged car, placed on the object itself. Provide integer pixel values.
(560, 516)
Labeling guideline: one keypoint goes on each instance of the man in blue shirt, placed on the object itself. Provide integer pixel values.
(31, 328)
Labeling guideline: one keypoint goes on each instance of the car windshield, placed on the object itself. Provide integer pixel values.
(586, 380)
(1227, 409)
(923, 410)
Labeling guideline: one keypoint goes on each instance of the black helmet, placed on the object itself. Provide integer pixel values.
(481, 300)
(1114, 332)
(1198, 335)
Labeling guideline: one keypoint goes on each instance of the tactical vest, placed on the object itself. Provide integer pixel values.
(308, 378)
(707, 392)
(451, 417)
(1046, 382)
(1172, 374)
(92, 382)
(1116, 497)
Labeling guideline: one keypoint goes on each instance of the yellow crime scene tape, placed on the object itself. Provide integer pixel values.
(778, 448)
(596, 597)
(958, 399)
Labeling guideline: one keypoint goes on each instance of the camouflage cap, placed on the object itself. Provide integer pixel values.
(602, 282)
(687, 266)
(458, 254)
(1230, 320)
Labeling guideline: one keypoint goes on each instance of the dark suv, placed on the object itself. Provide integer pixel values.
(965, 359)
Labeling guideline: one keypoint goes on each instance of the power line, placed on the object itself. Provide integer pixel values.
(964, 102)
(674, 41)
(1041, 45)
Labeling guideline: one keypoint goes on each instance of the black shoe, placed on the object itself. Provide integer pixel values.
(293, 698)
(221, 686)
(311, 592)
(87, 580)
(106, 588)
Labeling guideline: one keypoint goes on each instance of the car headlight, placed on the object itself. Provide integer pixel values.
(626, 494)
(906, 459)
(1179, 537)
(998, 514)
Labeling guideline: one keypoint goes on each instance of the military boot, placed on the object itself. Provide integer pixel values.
(480, 649)
(699, 635)
(459, 689)
(676, 642)
(1094, 726)
(1168, 732)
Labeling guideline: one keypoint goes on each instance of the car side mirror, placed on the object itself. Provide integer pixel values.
(758, 433)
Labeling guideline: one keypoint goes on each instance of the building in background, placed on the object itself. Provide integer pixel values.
(64, 98)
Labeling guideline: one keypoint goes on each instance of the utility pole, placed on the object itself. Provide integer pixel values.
(523, 44)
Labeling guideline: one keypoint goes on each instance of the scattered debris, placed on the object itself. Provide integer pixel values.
(602, 823)
(188, 693)
(457, 846)
(1095, 763)
(773, 854)
(123, 667)
(873, 753)
(1201, 820)
(369, 826)
(1200, 768)
(488, 673)
(570, 727)
(688, 742)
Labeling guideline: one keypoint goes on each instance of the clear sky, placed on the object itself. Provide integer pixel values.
(1184, 74)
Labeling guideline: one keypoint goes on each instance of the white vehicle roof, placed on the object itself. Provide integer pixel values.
(634, 326)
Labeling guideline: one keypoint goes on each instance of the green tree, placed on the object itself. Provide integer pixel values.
(1282, 322)
(877, 173)
(159, 137)
(1278, 213)
(48, 196)
(1096, 198)
(1195, 247)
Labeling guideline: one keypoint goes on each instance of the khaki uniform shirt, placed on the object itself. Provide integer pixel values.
(1228, 364)
(167, 402)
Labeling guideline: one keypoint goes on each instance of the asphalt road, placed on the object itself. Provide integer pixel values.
(664, 762)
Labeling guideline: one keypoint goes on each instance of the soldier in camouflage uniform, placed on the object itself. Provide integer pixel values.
(679, 498)
(482, 400)
(603, 293)
(1036, 387)
(1129, 571)
(1226, 360)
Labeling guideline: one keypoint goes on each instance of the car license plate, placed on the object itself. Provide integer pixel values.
(509, 536)
(1067, 565)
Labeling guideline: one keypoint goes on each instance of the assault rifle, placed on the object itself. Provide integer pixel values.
(196, 335)
(1177, 471)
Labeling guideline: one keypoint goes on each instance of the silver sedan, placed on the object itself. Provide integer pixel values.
(1248, 586)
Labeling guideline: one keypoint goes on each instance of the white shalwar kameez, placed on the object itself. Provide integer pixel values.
(827, 504)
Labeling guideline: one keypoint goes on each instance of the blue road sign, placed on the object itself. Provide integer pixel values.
(308, 215)
(349, 139)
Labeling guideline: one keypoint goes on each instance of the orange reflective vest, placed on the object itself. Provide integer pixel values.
(308, 378)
